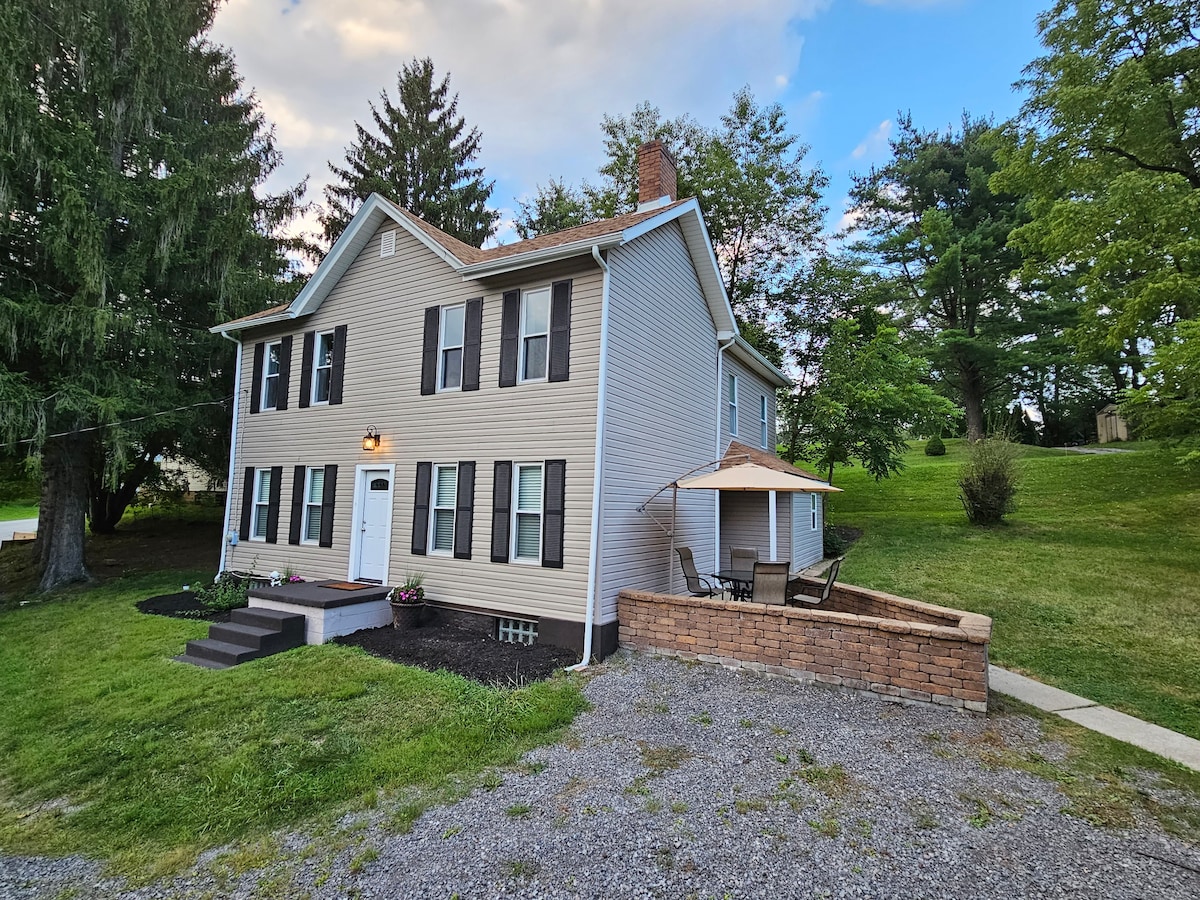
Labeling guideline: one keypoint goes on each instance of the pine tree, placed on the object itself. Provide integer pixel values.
(421, 159)
(129, 224)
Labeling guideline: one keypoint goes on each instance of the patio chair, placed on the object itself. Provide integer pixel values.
(742, 558)
(770, 583)
(697, 584)
(803, 585)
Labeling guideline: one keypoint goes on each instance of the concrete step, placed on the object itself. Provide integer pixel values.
(201, 662)
(291, 624)
(223, 651)
(270, 639)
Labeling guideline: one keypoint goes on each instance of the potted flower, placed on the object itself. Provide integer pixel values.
(408, 602)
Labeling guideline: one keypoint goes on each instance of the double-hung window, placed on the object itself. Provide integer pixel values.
(314, 493)
(527, 512)
(262, 504)
(445, 494)
(322, 367)
(535, 334)
(450, 348)
(764, 435)
(733, 398)
(270, 375)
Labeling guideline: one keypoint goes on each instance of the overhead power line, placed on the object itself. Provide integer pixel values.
(90, 428)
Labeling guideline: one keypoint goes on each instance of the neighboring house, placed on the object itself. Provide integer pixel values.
(1110, 425)
(528, 399)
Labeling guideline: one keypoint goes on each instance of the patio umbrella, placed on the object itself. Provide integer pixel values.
(750, 476)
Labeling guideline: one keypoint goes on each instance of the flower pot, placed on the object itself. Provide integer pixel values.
(408, 615)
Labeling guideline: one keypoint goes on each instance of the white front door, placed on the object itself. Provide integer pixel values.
(375, 506)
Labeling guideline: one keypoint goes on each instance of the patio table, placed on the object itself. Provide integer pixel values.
(740, 581)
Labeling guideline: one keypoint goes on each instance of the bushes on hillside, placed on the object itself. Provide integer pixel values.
(988, 481)
(935, 447)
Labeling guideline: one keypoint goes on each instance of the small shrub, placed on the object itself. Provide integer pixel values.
(227, 592)
(935, 447)
(835, 544)
(989, 480)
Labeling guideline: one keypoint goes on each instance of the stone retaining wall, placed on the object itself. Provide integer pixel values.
(860, 639)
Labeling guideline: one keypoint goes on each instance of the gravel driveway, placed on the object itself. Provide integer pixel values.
(690, 781)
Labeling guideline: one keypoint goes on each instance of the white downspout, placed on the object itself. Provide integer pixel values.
(237, 396)
(721, 348)
(594, 542)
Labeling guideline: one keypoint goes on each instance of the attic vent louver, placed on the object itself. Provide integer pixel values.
(387, 245)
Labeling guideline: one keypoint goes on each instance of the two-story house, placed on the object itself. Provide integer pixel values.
(494, 418)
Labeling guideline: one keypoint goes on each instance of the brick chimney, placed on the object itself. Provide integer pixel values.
(656, 176)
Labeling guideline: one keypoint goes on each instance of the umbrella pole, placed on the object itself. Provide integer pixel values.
(671, 559)
(772, 517)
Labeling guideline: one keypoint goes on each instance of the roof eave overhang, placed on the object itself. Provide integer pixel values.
(233, 327)
(759, 364)
(520, 261)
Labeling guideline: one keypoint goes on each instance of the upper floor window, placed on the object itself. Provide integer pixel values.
(322, 367)
(733, 400)
(262, 504)
(445, 493)
(270, 375)
(527, 512)
(314, 494)
(765, 435)
(450, 348)
(535, 334)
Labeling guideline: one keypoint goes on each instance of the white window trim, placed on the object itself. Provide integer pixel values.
(442, 348)
(308, 505)
(764, 431)
(522, 335)
(260, 476)
(387, 244)
(433, 507)
(360, 489)
(312, 398)
(516, 510)
(262, 400)
(733, 405)
(814, 503)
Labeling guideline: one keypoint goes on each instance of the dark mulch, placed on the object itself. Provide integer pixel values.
(465, 651)
(848, 533)
(182, 605)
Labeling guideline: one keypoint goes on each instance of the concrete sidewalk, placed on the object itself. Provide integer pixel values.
(1162, 741)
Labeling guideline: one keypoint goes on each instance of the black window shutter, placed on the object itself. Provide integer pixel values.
(464, 515)
(328, 497)
(510, 326)
(337, 375)
(273, 508)
(247, 504)
(472, 344)
(429, 348)
(256, 378)
(306, 367)
(297, 505)
(501, 508)
(420, 535)
(285, 370)
(560, 331)
(552, 513)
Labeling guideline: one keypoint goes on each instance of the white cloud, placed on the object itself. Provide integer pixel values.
(534, 77)
(874, 143)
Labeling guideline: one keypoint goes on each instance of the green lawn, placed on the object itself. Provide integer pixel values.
(10, 511)
(1093, 584)
(109, 748)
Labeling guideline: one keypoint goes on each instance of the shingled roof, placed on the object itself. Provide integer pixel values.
(738, 453)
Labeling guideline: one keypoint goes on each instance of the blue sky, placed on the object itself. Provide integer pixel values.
(536, 76)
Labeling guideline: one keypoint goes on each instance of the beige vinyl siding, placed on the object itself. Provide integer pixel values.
(382, 302)
(745, 523)
(661, 415)
(808, 543)
(751, 388)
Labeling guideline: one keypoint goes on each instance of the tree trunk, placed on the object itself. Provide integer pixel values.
(61, 512)
(107, 506)
(971, 384)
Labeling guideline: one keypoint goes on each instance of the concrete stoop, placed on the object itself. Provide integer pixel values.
(250, 634)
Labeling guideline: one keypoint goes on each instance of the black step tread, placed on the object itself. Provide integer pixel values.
(252, 636)
(223, 651)
(275, 619)
(201, 662)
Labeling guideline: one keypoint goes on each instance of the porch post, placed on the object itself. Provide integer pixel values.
(771, 516)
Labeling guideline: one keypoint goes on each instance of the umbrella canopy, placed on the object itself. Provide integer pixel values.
(753, 477)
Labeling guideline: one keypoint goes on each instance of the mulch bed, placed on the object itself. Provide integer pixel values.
(467, 652)
(182, 605)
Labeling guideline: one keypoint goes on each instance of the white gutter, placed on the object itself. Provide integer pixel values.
(237, 396)
(720, 451)
(539, 257)
(594, 542)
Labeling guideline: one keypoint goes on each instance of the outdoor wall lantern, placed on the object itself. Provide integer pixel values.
(371, 439)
